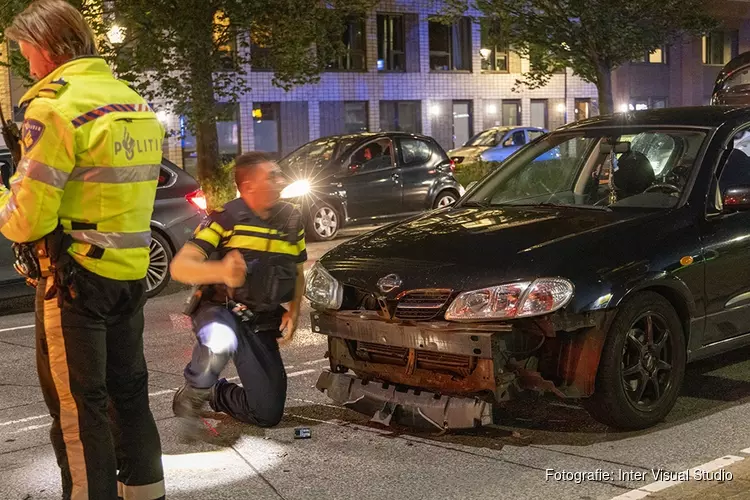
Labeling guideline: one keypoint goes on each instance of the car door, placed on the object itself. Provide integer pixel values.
(727, 256)
(419, 163)
(7, 258)
(372, 181)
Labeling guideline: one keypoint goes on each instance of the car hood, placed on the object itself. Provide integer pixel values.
(465, 248)
(467, 151)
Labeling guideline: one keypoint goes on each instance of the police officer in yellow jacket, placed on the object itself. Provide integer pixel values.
(91, 149)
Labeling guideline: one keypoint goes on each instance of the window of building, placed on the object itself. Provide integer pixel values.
(494, 56)
(658, 56)
(639, 104)
(267, 127)
(391, 43)
(343, 117)
(450, 45)
(225, 41)
(511, 112)
(404, 116)
(719, 47)
(353, 38)
(539, 113)
(582, 109)
(259, 49)
(228, 132)
(462, 123)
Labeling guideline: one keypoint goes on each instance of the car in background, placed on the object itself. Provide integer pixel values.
(367, 178)
(597, 277)
(502, 141)
(513, 140)
(178, 209)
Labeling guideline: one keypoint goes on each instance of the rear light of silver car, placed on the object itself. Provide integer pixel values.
(197, 199)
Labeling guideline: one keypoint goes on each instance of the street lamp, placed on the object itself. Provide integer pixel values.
(116, 34)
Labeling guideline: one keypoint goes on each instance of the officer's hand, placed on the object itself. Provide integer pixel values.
(235, 269)
(288, 323)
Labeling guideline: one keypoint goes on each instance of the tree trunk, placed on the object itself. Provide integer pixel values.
(207, 145)
(604, 87)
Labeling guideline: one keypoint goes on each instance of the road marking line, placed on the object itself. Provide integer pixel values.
(657, 486)
(746, 450)
(24, 327)
(151, 394)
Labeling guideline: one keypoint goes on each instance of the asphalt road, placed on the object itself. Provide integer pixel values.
(534, 453)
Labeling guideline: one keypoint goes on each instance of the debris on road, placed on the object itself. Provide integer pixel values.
(302, 433)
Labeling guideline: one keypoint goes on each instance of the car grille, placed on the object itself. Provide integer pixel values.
(427, 360)
(421, 305)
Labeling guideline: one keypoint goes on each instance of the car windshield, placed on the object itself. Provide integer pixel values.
(487, 138)
(652, 166)
(314, 155)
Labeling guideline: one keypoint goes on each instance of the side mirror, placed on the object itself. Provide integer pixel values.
(736, 198)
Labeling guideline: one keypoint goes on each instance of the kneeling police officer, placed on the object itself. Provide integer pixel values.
(237, 311)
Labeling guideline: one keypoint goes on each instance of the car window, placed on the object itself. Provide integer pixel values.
(575, 169)
(534, 134)
(415, 152)
(165, 177)
(517, 138)
(372, 156)
(658, 148)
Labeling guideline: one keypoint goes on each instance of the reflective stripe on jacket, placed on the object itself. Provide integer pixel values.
(91, 150)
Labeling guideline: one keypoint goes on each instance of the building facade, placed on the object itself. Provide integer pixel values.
(405, 72)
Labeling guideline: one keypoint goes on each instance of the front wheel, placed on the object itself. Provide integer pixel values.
(323, 223)
(642, 365)
(160, 256)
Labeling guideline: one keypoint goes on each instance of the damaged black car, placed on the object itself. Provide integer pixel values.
(596, 275)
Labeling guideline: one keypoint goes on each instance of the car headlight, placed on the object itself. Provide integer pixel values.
(510, 301)
(296, 189)
(322, 289)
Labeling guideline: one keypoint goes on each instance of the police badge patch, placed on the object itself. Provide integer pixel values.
(31, 132)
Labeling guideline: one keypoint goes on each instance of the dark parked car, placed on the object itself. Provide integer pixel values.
(552, 276)
(178, 210)
(366, 178)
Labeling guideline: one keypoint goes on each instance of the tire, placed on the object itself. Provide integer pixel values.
(160, 257)
(444, 199)
(611, 404)
(323, 222)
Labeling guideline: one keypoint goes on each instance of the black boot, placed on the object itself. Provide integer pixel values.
(186, 405)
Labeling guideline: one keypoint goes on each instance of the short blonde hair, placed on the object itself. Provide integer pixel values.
(55, 26)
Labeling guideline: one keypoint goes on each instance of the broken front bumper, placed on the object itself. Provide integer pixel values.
(448, 375)
(410, 407)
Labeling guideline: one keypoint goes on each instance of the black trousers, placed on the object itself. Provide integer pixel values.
(94, 379)
(221, 336)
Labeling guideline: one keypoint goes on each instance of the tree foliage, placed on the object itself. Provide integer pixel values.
(592, 37)
(194, 55)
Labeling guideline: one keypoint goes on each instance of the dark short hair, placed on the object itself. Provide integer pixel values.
(244, 164)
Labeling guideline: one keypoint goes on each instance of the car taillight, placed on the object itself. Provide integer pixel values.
(197, 199)
(453, 166)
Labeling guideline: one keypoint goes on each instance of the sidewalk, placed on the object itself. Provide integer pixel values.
(736, 488)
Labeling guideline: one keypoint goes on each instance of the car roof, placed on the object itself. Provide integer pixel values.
(374, 135)
(694, 116)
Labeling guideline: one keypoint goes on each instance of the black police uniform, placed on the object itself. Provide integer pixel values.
(272, 249)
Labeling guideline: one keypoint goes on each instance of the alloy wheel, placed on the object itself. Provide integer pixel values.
(158, 266)
(647, 359)
(446, 200)
(325, 222)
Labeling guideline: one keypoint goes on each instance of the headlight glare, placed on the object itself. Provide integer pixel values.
(509, 301)
(296, 189)
(322, 289)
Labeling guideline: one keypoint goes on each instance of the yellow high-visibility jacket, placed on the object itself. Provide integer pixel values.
(91, 155)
